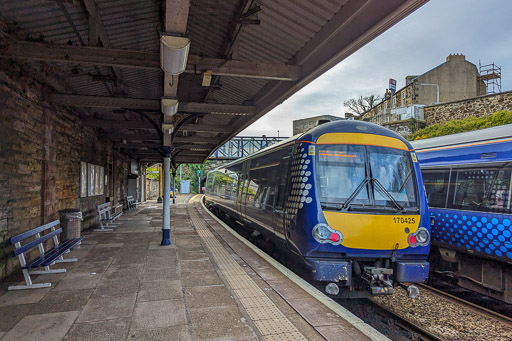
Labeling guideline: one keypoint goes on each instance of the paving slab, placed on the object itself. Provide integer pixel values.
(117, 287)
(225, 323)
(60, 301)
(158, 314)
(104, 308)
(160, 274)
(174, 333)
(42, 327)
(204, 297)
(112, 330)
(196, 279)
(159, 290)
(12, 314)
(196, 265)
(79, 282)
(17, 297)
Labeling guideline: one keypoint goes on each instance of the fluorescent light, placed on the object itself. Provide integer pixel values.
(174, 54)
(169, 106)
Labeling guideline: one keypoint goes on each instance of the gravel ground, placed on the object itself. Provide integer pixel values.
(445, 318)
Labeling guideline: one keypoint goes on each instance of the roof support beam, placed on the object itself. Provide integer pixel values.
(118, 124)
(122, 58)
(207, 128)
(132, 137)
(196, 139)
(99, 29)
(149, 104)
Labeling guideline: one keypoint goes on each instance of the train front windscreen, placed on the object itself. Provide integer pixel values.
(365, 177)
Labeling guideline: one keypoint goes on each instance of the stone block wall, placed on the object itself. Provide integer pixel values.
(41, 147)
(476, 107)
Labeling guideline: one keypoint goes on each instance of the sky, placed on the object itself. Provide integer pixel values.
(479, 29)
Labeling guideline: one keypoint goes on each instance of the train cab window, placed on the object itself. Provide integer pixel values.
(393, 169)
(436, 186)
(340, 170)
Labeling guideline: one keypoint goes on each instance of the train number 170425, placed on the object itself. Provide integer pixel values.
(404, 220)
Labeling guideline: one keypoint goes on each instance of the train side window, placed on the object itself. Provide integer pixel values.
(501, 192)
(281, 186)
(472, 188)
(436, 186)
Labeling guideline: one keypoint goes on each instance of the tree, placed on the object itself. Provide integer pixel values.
(362, 104)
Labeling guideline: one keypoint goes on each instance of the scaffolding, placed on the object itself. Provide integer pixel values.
(490, 74)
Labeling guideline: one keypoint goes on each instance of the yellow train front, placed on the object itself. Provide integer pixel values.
(345, 201)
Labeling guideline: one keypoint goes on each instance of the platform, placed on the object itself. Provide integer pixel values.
(208, 285)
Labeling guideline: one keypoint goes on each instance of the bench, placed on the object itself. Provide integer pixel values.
(131, 203)
(106, 216)
(46, 258)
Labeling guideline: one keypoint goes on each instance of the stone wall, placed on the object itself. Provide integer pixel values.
(41, 147)
(476, 107)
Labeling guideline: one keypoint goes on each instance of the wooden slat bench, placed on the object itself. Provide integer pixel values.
(46, 258)
(131, 203)
(106, 216)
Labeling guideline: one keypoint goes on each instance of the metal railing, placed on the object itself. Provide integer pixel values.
(241, 146)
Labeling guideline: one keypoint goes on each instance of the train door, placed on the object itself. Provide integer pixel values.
(281, 190)
(244, 183)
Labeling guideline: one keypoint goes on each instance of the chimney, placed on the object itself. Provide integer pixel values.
(456, 57)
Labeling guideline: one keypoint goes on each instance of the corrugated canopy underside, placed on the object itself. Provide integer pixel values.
(281, 46)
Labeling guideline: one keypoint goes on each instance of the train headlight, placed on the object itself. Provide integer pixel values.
(420, 238)
(324, 234)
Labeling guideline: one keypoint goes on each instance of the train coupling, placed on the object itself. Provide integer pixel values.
(379, 282)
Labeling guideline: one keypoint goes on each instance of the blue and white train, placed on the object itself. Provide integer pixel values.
(468, 181)
(344, 200)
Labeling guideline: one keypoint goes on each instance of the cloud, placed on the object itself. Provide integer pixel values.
(415, 45)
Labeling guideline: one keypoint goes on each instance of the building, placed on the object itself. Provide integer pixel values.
(402, 110)
(301, 126)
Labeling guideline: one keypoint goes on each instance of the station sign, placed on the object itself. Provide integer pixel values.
(392, 84)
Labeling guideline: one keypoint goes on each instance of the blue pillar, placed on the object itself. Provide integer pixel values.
(166, 221)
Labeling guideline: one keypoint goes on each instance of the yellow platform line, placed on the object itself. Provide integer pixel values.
(363, 327)
(268, 319)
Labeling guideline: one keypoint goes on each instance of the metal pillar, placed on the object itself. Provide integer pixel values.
(160, 183)
(174, 187)
(166, 222)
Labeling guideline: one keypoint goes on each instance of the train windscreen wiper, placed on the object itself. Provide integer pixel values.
(377, 185)
(354, 194)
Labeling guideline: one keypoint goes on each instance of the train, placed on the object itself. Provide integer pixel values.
(343, 202)
(468, 182)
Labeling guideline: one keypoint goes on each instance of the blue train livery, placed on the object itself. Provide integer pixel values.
(468, 181)
(344, 200)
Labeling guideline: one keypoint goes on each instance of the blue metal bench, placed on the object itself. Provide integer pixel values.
(46, 258)
(131, 203)
(106, 216)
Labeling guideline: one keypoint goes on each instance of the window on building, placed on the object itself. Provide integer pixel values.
(394, 102)
(305, 125)
(404, 96)
(310, 123)
(92, 179)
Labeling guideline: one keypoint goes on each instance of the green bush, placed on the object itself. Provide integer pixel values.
(459, 126)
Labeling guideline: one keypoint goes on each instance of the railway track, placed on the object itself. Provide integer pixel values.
(477, 308)
(418, 331)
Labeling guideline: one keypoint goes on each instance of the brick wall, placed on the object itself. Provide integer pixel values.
(476, 107)
(41, 147)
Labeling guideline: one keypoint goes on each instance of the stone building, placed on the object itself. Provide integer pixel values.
(456, 79)
(303, 125)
